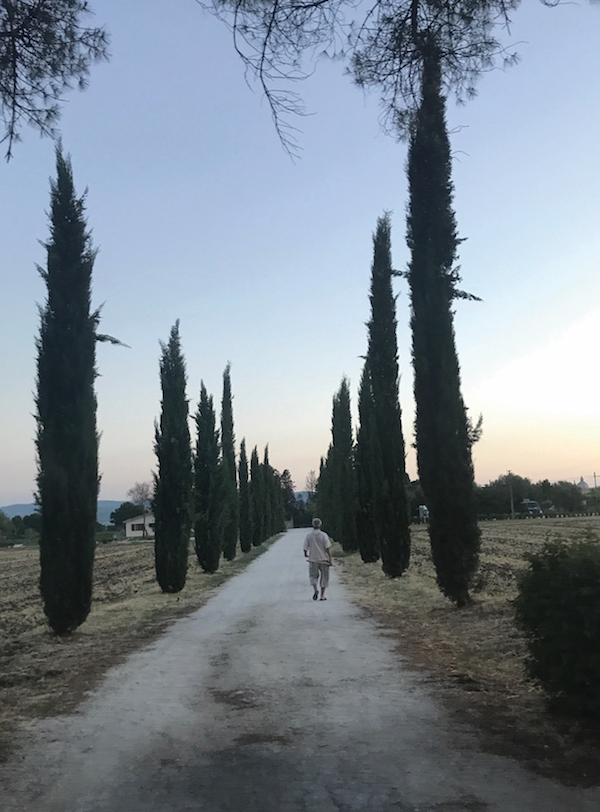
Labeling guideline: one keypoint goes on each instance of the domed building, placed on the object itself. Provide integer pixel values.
(583, 486)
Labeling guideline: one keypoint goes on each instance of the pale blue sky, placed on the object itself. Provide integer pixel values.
(199, 214)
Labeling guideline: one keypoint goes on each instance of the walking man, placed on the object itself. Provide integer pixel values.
(317, 550)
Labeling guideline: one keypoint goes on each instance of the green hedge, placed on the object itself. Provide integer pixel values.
(558, 608)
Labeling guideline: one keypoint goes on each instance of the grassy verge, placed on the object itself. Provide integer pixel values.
(476, 657)
(41, 674)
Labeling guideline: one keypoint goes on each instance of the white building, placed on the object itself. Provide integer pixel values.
(140, 526)
(583, 486)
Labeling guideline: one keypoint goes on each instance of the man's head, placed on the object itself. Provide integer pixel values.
(316, 523)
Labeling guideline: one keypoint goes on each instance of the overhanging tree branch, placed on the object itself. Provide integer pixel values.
(280, 41)
(44, 50)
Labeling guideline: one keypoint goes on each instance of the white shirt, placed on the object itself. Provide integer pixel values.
(316, 543)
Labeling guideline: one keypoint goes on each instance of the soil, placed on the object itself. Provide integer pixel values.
(476, 656)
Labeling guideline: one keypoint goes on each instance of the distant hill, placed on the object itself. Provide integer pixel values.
(105, 508)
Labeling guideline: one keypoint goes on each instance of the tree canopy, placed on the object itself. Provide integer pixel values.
(382, 43)
(126, 510)
(45, 49)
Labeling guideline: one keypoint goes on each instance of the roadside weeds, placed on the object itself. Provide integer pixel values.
(475, 658)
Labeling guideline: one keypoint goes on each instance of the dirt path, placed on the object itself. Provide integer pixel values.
(265, 700)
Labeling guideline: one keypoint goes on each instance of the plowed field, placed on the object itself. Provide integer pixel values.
(476, 656)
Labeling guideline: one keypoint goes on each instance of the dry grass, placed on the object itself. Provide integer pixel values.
(476, 656)
(41, 673)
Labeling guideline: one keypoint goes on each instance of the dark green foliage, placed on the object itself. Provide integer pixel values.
(558, 607)
(288, 495)
(304, 512)
(9, 528)
(368, 463)
(388, 473)
(257, 498)
(345, 475)
(294, 507)
(266, 499)
(33, 522)
(18, 526)
(508, 492)
(267, 502)
(173, 482)
(209, 487)
(442, 428)
(44, 50)
(231, 528)
(325, 497)
(277, 506)
(337, 486)
(67, 442)
(125, 511)
(245, 507)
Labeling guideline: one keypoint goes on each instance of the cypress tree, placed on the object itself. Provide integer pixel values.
(245, 507)
(267, 495)
(390, 501)
(442, 432)
(343, 473)
(290, 507)
(367, 455)
(277, 506)
(209, 486)
(326, 495)
(67, 440)
(173, 483)
(256, 499)
(231, 528)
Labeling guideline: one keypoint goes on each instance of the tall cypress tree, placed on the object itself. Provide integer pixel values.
(257, 499)
(277, 506)
(173, 483)
(231, 529)
(209, 486)
(442, 432)
(367, 462)
(390, 501)
(245, 507)
(326, 495)
(344, 475)
(67, 441)
(267, 495)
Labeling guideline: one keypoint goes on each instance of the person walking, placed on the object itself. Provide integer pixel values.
(317, 550)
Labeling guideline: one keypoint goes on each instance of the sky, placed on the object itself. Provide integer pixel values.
(199, 215)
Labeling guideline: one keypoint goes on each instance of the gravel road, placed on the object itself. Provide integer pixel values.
(265, 700)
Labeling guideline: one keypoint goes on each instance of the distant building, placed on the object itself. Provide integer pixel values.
(583, 486)
(139, 526)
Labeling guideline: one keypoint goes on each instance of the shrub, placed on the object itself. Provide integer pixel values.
(558, 608)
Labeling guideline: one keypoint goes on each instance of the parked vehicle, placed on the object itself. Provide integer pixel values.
(531, 507)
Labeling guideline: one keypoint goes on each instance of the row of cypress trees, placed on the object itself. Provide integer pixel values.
(201, 489)
(372, 486)
(362, 486)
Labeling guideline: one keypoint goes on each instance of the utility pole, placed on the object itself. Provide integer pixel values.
(512, 500)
